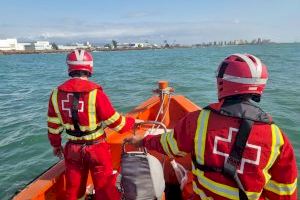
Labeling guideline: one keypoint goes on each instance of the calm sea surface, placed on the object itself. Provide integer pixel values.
(128, 78)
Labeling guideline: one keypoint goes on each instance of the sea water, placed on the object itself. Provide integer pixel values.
(128, 78)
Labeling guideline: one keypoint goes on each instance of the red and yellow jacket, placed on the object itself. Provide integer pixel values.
(268, 167)
(95, 112)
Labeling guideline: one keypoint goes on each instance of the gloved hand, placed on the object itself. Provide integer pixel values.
(58, 152)
(136, 140)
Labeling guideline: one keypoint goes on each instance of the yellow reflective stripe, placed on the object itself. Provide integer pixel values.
(217, 188)
(54, 120)
(82, 128)
(221, 189)
(55, 104)
(281, 188)
(92, 136)
(121, 125)
(173, 144)
(164, 143)
(112, 119)
(199, 192)
(56, 131)
(277, 142)
(92, 109)
(253, 195)
(200, 136)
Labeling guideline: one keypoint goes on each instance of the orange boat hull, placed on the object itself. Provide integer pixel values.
(51, 184)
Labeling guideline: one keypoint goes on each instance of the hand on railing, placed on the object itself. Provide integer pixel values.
(136, 140)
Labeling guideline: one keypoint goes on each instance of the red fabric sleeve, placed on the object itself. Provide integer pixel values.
(184, 133)
(284, 172)
(54, 139)
(106, 112)
(129, 123)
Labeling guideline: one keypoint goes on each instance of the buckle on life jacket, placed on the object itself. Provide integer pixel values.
(79, 133)
(230, 166)
(88, 142)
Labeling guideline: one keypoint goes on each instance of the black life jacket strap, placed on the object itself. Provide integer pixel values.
(236, 154)
(80, 133)
(206, 168)
(76, 96)
(77, 132)
(240, 142)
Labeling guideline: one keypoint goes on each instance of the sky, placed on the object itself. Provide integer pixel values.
(177, 21)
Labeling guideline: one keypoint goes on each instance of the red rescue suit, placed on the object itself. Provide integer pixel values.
(268, 167)
(89, 150)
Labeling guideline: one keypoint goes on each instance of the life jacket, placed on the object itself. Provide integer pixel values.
(78, 97)
(232, 156)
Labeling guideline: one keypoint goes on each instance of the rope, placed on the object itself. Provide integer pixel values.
(162, 119)
(159, 111)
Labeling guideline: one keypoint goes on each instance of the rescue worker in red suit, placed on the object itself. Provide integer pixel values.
(238, 152)
(81, 108)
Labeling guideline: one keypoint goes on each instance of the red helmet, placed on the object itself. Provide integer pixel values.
(80, 60)
(241, 74)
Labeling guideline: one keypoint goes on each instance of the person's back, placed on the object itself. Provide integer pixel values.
(237, 150)
(266, 153)
(82, 109)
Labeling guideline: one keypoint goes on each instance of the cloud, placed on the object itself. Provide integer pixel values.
(236, 21)
(138, 15)
(183, 32)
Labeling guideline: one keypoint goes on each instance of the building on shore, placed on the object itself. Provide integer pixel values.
(86, 45)
(14, 45)
(234, 42)
(38, 46)
(8, 44)
(133, 45)
(22, 46)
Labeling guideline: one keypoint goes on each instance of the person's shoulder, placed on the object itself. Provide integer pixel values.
(53, 90)
(93, 85)
(193, 115)
(78, 85)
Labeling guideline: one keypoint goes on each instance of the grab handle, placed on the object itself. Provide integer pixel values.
(149, 122)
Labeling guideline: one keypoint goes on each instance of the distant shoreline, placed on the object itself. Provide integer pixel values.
(15, 52)
(12, 52)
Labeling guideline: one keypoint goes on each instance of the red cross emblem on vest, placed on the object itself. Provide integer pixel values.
(218, 141)
(66, 104)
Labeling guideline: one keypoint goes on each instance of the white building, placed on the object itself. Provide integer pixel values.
(42, 45)
(66, 47)
(136, 45)
(123, 45)
(22, 46)
(39, 46)
(74, 46)
(8, 44)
